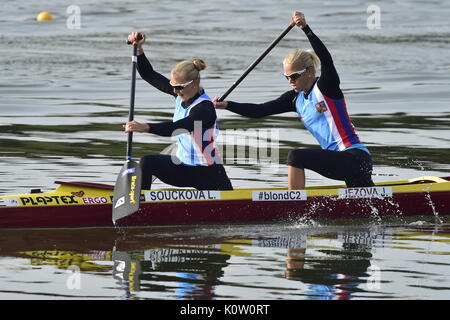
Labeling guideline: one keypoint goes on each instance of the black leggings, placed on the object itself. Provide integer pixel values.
(161, 166)
(353, 166)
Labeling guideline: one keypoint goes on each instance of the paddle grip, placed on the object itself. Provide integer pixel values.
(139, 37)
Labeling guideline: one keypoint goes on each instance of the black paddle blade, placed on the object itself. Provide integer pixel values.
(127, 190)
(127, 270)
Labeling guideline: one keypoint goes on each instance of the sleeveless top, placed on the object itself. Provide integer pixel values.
(196, 148)
(328, 121)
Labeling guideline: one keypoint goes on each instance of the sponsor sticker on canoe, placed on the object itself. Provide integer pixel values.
(48, 200)
(279, 195)
(9, 202)
(95, 200)
(368, 192)
(181, 195)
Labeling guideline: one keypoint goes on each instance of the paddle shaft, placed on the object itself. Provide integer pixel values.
(132, 95)
(127, 189)
(254, 64)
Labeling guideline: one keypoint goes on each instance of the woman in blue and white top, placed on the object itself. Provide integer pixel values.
(320, 105)
(197, 162)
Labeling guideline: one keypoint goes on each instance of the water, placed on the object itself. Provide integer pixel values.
(64, 95)
(258, 262)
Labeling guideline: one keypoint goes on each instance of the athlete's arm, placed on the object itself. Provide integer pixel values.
(203, 115)
(284, 103)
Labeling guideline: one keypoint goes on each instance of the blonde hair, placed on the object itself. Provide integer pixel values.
(303, 58)
(189, 70)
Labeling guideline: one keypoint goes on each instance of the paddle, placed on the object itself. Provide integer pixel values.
(127, 190)
(254, 64)
(170, 148)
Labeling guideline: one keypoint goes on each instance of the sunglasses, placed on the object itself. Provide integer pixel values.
(180, 86)
(294, 75)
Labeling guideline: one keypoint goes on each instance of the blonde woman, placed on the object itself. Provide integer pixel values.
(320, 105)
(197, 163)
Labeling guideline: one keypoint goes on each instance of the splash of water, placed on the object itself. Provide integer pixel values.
(437, 219)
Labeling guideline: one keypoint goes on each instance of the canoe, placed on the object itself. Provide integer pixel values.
(84, 204)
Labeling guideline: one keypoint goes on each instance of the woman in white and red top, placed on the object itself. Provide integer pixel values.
(320, 104)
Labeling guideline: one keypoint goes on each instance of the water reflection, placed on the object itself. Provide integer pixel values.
(335, 272)
(127, 271)
(184, 263)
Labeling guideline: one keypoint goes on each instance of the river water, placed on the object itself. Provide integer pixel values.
(64, 94)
